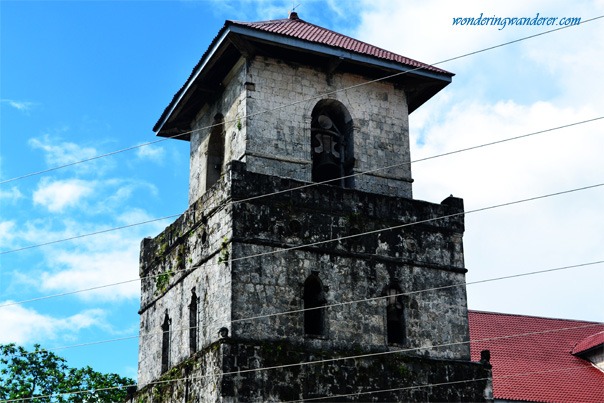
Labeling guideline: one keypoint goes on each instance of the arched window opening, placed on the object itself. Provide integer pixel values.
(395, 319)
(314, 300)
(332, 143)
(193, 322)
(165, 343)
(215, 159)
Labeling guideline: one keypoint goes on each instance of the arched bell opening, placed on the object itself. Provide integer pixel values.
(332, 144)
(215, 159)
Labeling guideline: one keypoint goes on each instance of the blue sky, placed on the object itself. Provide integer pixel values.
(80, 79)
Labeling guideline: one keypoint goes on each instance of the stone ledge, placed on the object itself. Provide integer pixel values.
(234, 370)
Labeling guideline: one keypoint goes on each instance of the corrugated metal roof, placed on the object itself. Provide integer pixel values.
(295, 27)
(537, 366)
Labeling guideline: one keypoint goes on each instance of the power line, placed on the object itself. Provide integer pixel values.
(326, 306)
(64, 294)
(329, 360)
(318, 183)
(522, 136)
(334, 239)
(429, 385)
(96, 157)
(342, 238)
(311, 245)
(398, 351)
(408, 293)
(89, 234)
(292, 103)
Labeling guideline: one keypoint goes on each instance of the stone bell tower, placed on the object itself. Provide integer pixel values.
(303, 269)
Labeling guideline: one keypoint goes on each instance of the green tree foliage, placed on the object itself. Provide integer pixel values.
(41, 376)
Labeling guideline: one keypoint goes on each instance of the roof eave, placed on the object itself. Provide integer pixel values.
(216, 44)
(441, 80)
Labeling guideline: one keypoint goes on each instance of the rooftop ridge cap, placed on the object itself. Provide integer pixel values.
(533, 316)
(595, 335)
(276, 20)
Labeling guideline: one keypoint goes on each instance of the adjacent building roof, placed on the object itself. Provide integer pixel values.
(589, 343)
(533, 359)
(298, 41)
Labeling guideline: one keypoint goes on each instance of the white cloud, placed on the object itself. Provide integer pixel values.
(60, 194)
(151, 152)
(518, 89)
(62, 153)
(7, 231)
(93, 197)
(425, 29)
(11, 195)
(22, 325)
(97, 260)
(82, 270)
(133, 216)
(541, 163)
(23, 106)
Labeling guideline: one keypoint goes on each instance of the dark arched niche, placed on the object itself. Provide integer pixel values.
(193, 322)
(165, 343)
(314, 300)
(395, 316)
(215, 159)
(332, 143)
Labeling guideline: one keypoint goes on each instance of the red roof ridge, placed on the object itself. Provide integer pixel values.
(588, 343)
(531, 316)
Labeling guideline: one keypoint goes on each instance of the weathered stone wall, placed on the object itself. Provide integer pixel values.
(235, 370)
(231, 104)
(206, 250)
(278, 142)
(274, 139)
(424, 260)
(196, 379)
(187, 256)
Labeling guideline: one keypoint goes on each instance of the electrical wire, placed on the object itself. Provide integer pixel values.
(409, 293)
(430, 385)
(96, 157)
(320, 361)
(275, 251)
(397, 351)
(320, 96)
(89, 234)
(342, 238)
(308, 185)
(460, 150)
(64, 294)
(239, 372)
(326, 306)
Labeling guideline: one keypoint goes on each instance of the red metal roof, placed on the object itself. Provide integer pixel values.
(295, 27)
(532, 357)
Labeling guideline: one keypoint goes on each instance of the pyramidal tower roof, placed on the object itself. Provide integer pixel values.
(297, 41)
(294, 27)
